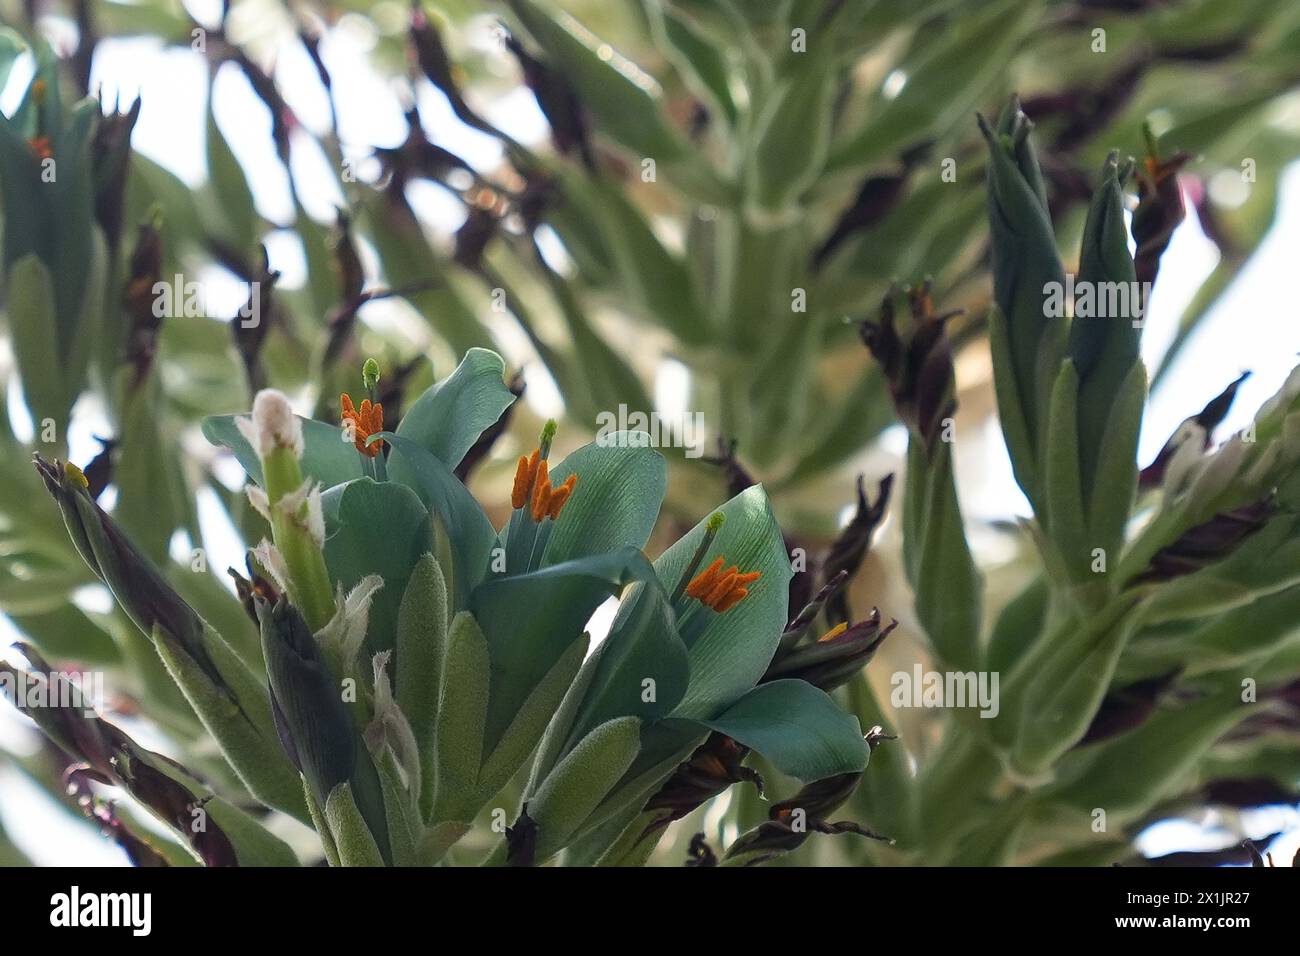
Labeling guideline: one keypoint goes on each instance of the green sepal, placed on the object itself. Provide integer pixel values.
(356, 846)
(1021, 443)
(421, 649)
(318, 822)
(580, 781)
(1114, 480)
(401, 809)
(462, 719)
(1065, 521)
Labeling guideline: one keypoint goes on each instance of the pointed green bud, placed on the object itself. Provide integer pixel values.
(1026, 268)
(315, 727)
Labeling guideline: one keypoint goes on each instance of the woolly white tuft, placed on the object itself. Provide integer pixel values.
(273, 425)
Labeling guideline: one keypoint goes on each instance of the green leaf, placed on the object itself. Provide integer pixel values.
(12, 46)
(1067, 687)
(253, 843)
(788, 146)
(733, 650)
(229, 201)
(449, 417)
(1019, 623)
(616, 501)
(152, 493)
(376, 528)
(643, 645)
(31, 319)
(940, 566)
(947, 79)
(530, 619)
(1025, 266)
(702, 65)
(65, 632)
(440, 838)
(401, 810)
(237, 713)
(654, 278)
(1131, 773)
(798, 728)
(462, 523)
(622, 97)
(1021, 443)
(327, 456)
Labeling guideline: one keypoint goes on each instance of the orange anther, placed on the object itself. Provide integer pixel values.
(734, 597)
(524, 472)
(560, 495)
(700, 585)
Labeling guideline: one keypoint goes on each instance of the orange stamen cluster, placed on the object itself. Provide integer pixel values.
(533, 488)
(41, 147)
(719, 589)
(366, 421)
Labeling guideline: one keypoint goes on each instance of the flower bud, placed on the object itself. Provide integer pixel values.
(272, 425)
(314, 725)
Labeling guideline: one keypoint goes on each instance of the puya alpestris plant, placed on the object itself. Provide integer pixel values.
(1150, 667)
(413, 658)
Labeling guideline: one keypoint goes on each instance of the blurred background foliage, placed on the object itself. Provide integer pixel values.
(663, 204)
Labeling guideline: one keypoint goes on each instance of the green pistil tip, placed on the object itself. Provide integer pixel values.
(370, 373)
(716, 521)
(548, 431)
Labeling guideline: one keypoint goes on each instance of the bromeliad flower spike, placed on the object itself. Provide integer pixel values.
(413, 657)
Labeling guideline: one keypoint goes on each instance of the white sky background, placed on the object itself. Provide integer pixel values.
(1252, 327)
